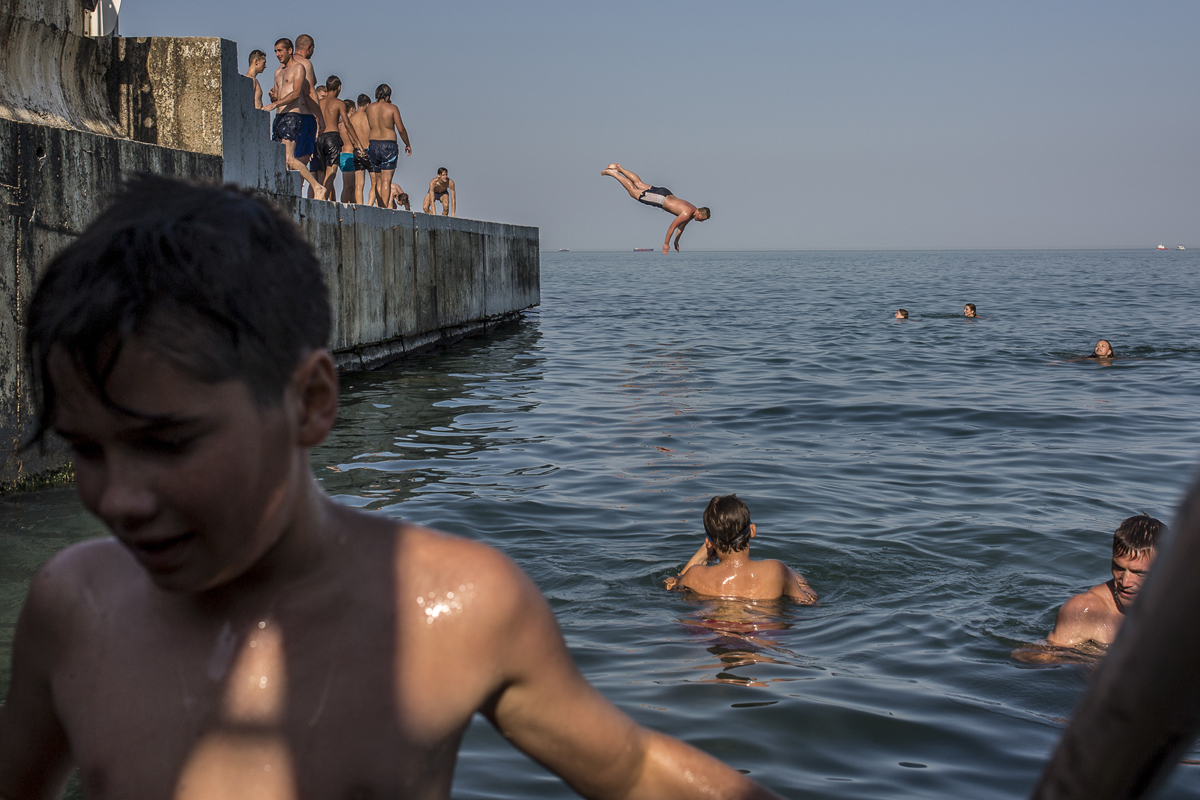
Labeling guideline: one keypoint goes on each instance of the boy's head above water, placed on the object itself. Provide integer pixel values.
(179, 348)
(727, 523)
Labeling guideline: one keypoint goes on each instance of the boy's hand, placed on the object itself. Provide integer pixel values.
(671, 583)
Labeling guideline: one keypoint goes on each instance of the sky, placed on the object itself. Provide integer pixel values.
(846, 124)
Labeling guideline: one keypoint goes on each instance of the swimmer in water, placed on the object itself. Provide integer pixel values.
(969, 310)
(729, 531)
(1097, 614)
(1103, 349)
(902, 314)
(259, 637)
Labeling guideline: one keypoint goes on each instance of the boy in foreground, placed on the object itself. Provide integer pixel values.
(729, 531)
(241, 634)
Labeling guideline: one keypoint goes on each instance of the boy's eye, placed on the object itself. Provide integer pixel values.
(168, 445)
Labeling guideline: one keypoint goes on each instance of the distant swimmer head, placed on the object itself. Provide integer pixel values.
(1103, 349)
(383, 92)
(702, 213)
(727, 523)
(969, 310)
(902, 313)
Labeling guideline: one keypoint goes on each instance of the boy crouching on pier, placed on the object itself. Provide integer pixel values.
(727, 523)
(241, 634)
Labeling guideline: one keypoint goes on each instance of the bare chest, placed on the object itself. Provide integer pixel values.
(330, 708)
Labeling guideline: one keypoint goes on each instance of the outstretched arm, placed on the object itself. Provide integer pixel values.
(679, 223)
(551, 713)
(452, 201)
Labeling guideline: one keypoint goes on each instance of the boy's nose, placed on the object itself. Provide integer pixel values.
(126, 500)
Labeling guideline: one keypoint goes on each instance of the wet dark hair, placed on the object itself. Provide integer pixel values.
(443, 169)
(254, 54)
(972, 307)
(216, 280)
(383, 91)
(363, 100)
(707, 213)
(1111, 352)
(903, 312)
(727, 523)
(349, 105)
(286, 41)
(333, 83)
(1137, 535)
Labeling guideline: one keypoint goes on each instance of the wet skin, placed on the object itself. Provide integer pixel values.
(1097, 614)
(243, 635)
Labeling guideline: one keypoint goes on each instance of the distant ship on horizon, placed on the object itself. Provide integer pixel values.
(1180, 247)
(1161, 247)
(643, 249)
(563, 250)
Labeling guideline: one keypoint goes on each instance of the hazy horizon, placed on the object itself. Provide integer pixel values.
(804, 126)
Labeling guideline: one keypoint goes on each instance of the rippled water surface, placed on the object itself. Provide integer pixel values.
(943, 483)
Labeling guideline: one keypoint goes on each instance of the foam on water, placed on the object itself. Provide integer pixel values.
(943, 483)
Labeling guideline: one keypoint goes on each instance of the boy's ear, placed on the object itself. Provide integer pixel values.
(314, 391)
(753, 530)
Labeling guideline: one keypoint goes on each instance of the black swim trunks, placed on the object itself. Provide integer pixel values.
(298, 128)
(329, 150)
(383, 154)
(362, 163)
(654, 196)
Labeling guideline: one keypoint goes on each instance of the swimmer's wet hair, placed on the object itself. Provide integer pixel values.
(903, 312)
(1137, 535)
(383, 91)
(333, 83)
(707, 213)
(971, 306)
(727, 523)
(214, 279)
(363, 100)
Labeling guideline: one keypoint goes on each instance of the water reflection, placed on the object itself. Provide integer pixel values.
(418, 426)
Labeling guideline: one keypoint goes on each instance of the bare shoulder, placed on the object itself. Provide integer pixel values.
(77, 581)
(1088, 616)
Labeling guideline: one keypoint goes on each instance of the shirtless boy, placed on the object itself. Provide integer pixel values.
(969, 310)
(729, 531)
(329, 144)
(398, 198)
(441, 190)
(384, 120)
(241, 634)
(659, 197)
(258, 62)
(362, 164)
(1097, 614)
(295, 124)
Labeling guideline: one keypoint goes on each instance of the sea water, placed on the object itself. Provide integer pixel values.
(943, 483)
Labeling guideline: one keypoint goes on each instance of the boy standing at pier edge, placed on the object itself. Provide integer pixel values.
(241, 634)
(384, 120)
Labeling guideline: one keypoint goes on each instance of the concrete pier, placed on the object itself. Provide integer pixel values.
(76, 114)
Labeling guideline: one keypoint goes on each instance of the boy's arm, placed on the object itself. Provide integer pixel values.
(1073, 625)
(34, 754)
(452, 203)
(796, 587)
(400, 129)
(547, 709)
(702, 556)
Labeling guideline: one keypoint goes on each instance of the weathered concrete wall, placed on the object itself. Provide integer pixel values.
(53, 182)
(398, 281)
(50, 73)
